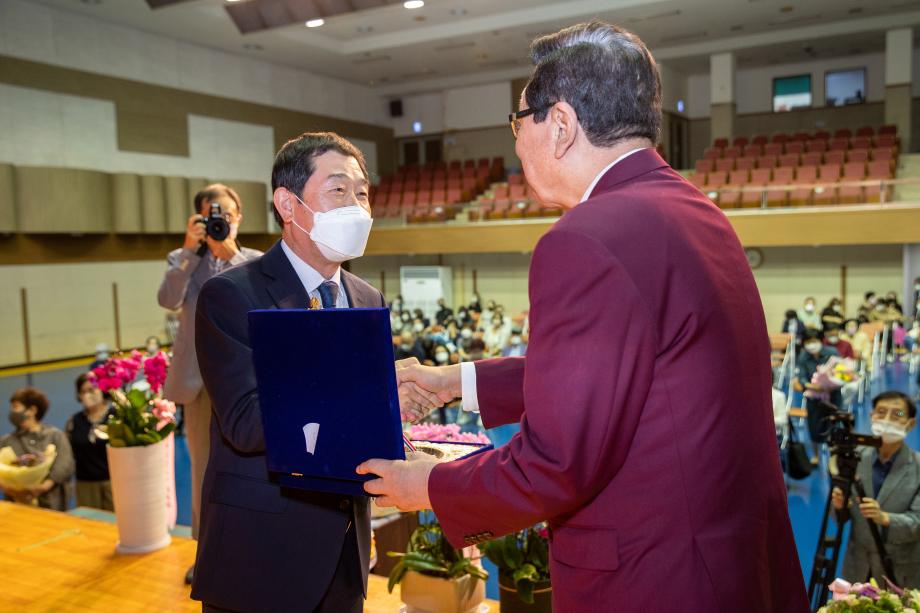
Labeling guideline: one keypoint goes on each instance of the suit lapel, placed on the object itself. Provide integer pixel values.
(359, 296)
(865, 472)
(284, 286)
(896, 475)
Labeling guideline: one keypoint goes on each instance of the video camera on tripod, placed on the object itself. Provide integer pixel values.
(843, 443)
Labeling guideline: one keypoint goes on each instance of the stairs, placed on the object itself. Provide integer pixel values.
(908, 168)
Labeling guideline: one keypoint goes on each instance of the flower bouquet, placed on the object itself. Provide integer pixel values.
(831, 376)
(25, 471)
(446, 434)
(868, 598)
(141, 450)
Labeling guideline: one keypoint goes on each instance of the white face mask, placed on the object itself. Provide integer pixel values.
(515, 340)
(851, 331)
(441, 357)
(832, 340)
(809, 307)
(467, 333)
(340, 234)
(889, 431)
(813, 347)
(419, 327)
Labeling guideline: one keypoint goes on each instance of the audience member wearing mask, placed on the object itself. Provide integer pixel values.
(891, 477)
(397, 305)
(102, 354)
(28, 407)
(496, 335)
(809, 315)
(463, 316)
(832, 315)
(419, 315)
(441, 355)
(152, 346)
(464, 341)
(868, 305)
(409, 347)
(516, 347)
(859, 340)
(93, 486)
(443, 313)
(885, 312)
(794, 326)
(892, 299)
(833, 339)
(815, 354)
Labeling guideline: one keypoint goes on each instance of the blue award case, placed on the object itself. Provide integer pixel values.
(327, 393)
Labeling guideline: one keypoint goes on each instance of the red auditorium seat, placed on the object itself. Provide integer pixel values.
(812, 158)
(702, 166)
(858, 155)
(453, 196)
(843, 133)
(816, 146)
(760, 139)
(888, 129)
(789, 159)
(851, 194)
(795, 146)
(730, 199)
(835, 157)
(860, 142)
(500, 191)
(725, 164)
(753, 150)
(500, 210)
(779, 137)
(731, 152)
(884, 155)
(886, 140)
(773, 149)
(865, 131)
(720, 143)
(802, 196)
(767, 161)
(745, 163)
(516, 179)
(759, 178)
(878, 171)
(698, 179)
(822, 134)
(740, 141)
(469, 164)
(712, 153)
(841, 143)
(423, 198)
(829, 172)
(714, 181)
(781, 176)
(517, 192)
(827, 194)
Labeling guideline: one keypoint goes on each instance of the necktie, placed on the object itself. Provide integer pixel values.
(328, 292)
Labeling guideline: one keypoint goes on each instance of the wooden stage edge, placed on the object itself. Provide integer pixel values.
(52, 561)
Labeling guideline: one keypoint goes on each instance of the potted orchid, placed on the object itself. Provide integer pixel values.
(869, 598)
(522, 559)
(140, 449)
(436, 578)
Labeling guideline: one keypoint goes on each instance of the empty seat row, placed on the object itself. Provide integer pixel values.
(811, 146)
(782, 137)
(813, 158)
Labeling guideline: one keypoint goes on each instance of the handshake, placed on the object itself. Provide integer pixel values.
(425, 388)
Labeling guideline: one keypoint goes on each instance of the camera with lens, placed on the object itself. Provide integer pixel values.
(215, 225)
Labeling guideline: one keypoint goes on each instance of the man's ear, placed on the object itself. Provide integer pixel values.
(565, 127)
(282, 201)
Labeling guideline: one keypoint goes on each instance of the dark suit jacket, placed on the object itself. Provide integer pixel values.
(261, 547)
(647, 436)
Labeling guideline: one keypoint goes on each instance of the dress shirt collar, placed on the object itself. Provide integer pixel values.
(308, 275)
(604, 171)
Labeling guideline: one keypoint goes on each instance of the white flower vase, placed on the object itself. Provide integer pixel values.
(139, 492)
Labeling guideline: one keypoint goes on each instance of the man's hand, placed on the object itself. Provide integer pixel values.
(441, 380)
(223, 250)
(42, 488)
(870, 509)
(20, 496)
(194, 233)
(403, 483)
(414, 401)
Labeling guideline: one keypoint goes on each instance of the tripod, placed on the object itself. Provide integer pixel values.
(843, 446)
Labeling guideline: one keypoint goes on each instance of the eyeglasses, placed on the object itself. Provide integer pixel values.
(515, 118)
(883, 412)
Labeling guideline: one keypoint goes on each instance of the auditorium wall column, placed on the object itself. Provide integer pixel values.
(911, 273)
(898, 77)
(722, 95)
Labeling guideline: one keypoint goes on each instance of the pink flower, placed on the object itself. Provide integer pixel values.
(445, 433)
(164, 411)
(155, 369)
(543, 531)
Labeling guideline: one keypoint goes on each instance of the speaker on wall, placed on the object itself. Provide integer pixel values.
(396, 108)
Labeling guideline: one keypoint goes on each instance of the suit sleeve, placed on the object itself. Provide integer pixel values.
(225, 360)
(180, 266)
(586, 378)
(500, 390)
(904, 527)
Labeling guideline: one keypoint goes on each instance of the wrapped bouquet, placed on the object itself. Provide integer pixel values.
(869, 598)
(831, 376)
(25, 471)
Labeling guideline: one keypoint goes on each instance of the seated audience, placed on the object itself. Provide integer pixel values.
(495, 336)
(832, 316)
(859, 340)
(152, 346)
(815, 354)
(516, 347)
(444, 312)
(409, 347)
(809, 315)
(794, 326)
(833, 339)
(28, 407)
(93, 486)
(891, 478)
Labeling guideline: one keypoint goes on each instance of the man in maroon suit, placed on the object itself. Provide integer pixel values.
(644, 401)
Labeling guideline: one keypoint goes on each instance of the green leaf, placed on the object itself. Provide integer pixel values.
(128, 435)
(148, 438)
(138, 399)
(396, 575)
(117, 442)
(525, 591)
(514, 557)
(167, 429)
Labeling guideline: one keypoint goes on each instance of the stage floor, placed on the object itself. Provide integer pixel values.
(52, 561)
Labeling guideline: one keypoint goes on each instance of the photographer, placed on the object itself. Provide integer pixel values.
(210, 247)
(893, 474)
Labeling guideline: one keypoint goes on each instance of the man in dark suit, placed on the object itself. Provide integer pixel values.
(644, 400)
(263, 547)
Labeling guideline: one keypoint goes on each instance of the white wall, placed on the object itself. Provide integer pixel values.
(425, 108)
(43, 34)
(461, 108)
